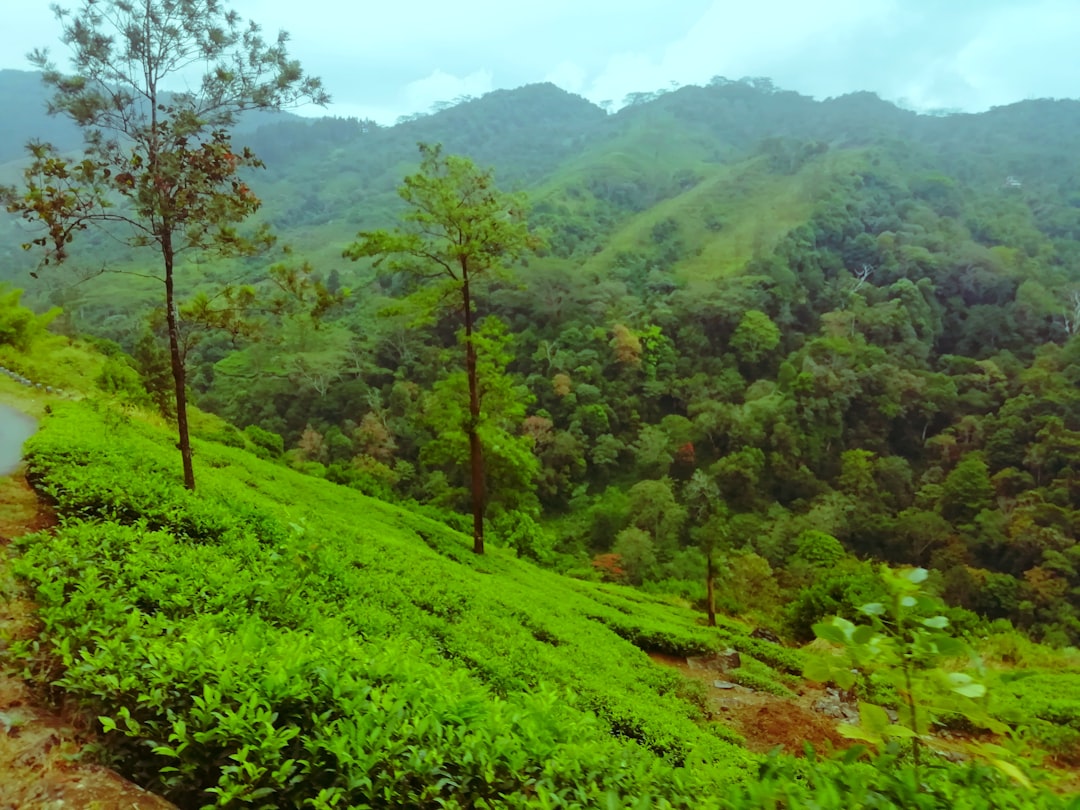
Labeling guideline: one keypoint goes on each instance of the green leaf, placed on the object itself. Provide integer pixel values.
(936, 622)
(829, 631)
(899, 732)
(863, 634)
(971, 690)
(851, 732)
(1013, 772)
(949, 646)
(873, 609)
(844, 678)
(873, 718)
(817, 669)
(915, 576)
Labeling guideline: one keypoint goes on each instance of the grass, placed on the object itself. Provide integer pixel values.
(753, 209)
(65, 364)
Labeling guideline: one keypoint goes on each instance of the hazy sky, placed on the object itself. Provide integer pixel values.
(384, 59)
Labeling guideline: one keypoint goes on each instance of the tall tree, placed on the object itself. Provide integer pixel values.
(159, 170)
(510, 465)
(709, 529)
(458, 229)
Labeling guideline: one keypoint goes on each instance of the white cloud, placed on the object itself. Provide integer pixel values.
(438, 86)
(389, 59)
(751, 39)
(569, 76)
(1021, 52)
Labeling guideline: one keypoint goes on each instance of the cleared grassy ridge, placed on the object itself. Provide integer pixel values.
(729, 207)
(736, 213)
(279, 638)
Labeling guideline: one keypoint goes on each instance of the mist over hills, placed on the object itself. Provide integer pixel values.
(25, 99)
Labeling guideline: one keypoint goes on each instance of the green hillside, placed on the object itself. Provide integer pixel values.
(736, 164)
(278, 641)
(280, 606)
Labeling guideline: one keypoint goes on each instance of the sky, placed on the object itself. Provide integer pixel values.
(383, 59)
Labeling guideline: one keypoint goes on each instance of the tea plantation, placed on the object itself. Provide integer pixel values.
(274, 640)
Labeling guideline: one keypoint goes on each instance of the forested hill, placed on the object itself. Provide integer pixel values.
(330, 171)
(811, 334)
(542, 137)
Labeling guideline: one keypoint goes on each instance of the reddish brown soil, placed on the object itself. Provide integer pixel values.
(766, 721)
(41, 765)
(785, 724)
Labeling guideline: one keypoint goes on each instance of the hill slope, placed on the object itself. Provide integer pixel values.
(254, 619)
(279, 641)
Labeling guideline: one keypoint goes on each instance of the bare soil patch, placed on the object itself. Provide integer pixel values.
(765, 720)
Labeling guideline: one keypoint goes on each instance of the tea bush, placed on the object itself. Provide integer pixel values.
(274, 641)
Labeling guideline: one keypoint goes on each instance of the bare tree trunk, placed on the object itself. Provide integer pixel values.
(476, 457)
(710, 589)
(178, 371)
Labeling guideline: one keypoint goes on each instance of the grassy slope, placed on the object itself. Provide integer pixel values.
(294, 560)
(734, 209)
(756, 209)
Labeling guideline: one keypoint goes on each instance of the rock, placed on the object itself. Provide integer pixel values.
(955, 757)
(730, 659)
(724, 684)
(765, 635)
(718, 662)
(834, 706)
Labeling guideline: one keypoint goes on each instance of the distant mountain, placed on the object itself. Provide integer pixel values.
(736, 164)
(24, 100)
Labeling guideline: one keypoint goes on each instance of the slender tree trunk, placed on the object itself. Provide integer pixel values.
(476, 456)
(710, 590)
(178, 371)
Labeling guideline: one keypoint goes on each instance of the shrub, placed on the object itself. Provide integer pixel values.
(270, 443)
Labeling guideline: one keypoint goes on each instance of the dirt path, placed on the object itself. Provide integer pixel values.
(40, 766)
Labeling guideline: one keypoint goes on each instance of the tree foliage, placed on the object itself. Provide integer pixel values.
(458, 230)
(159, 169)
